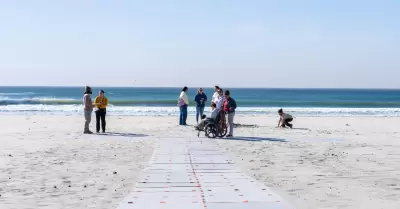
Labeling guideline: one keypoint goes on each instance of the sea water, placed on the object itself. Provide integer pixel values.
(163, 101)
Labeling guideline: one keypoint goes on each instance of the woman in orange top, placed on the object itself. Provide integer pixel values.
(101, 103)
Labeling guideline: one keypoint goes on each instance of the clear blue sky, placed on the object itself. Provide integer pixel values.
(252, 43)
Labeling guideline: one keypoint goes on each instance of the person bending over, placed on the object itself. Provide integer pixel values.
(284, 119)
(214, 113)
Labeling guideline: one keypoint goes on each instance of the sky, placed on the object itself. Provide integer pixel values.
(235, 43)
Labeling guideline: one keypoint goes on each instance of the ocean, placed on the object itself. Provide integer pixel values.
(163, 101)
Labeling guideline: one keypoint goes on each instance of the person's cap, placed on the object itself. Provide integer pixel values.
(280, 110)
(217, 87)
(102, 91)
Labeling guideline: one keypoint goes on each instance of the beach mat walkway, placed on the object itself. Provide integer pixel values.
(196, 174)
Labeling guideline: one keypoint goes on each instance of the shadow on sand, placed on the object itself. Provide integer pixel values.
(123, 134)
(255, 139)
(303, 129)
(238, 125)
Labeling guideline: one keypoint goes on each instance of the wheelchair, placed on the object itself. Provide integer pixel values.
(214, 128)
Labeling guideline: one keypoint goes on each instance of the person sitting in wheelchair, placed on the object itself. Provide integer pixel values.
(205, 120)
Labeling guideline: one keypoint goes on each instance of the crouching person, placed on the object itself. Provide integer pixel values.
(284, 119)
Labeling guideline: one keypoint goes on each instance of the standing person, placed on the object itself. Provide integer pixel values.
(101, 103)
(215, 95)
(219, 106)
(88, 109)
(183, 103)
(229, 109)
(220, 99)
(200, 99)
(284, 119)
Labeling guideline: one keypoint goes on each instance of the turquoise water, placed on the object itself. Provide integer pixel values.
(162, 101)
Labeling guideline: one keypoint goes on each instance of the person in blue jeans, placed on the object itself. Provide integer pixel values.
(200, 99)
(183, 103)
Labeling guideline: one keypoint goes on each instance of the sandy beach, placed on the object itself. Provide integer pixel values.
(324, 162)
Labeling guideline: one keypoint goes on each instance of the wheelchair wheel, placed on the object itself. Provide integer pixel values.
(222, 129)
(211, 131)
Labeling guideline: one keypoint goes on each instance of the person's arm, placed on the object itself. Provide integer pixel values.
(96, 102)
(105, 101)
(84, 101)
(197, 99)
(205, 98)
(214, 114)
(91, 103)
(279, 122)
(232, 104)
(88, 102)
(185, 98)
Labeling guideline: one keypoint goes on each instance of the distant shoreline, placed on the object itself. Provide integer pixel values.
(207, 87)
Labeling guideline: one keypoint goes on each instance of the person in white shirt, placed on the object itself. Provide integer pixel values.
(183, 103)
(215, 95)
(284, 119)
(220, 99)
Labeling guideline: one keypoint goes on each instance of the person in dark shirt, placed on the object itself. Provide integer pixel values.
(229, 108)
(200, 100)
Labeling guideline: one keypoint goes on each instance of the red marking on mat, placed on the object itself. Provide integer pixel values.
(162, 202)
(198, 182)
(246, 201)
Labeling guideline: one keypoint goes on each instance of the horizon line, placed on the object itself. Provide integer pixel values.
(148, 86)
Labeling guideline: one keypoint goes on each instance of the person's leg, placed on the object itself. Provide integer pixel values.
(88, 119)
(222, 121)
(286, 123)
(184, 115)
(201, 111)
(231, 116)
(197, 114)
(201, 124)
(103, 120)
(283, 123)
(97, 120)
(180, 115)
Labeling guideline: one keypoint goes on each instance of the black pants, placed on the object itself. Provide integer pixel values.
(286, 122)
(101, 115)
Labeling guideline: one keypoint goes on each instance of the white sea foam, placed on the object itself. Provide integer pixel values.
(163, 111)
(8, 100)
(17, 94)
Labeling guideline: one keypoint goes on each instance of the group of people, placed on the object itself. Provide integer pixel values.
(221, 103)
(100, 105)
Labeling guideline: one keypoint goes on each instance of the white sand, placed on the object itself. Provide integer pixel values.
(328, 165)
